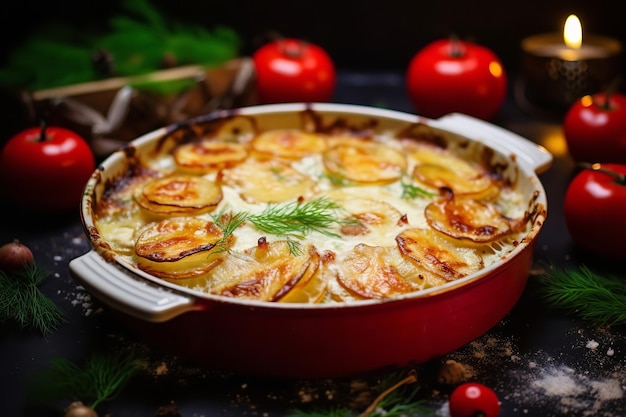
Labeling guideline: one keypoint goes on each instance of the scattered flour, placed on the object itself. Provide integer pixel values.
(591, 383)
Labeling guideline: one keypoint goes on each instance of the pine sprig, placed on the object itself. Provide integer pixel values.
(22, 301)
(100, 379)
(596, 298)
(396, 399)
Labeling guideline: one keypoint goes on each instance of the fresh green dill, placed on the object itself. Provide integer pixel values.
(22, 301)
(296, 219)
(232, 223)
(595, 298)
(410, 191)
(292, 220)
(337, 179)
(277, 173)
(228, 227)
(294, 247)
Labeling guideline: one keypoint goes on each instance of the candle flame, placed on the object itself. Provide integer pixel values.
(573, 32)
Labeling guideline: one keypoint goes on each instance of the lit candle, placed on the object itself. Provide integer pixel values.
(569, 45)
(559, 68)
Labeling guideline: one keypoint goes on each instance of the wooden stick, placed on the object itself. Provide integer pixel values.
(177, 73)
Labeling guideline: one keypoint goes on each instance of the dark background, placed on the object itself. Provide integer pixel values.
(358, 34)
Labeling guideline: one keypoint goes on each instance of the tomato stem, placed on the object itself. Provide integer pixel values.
(619, 178)
(292, 49)
(455, 47)
(609, 92)
(42, 134)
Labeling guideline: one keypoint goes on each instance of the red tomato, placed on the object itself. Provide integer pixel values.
(595, 128)
(450, 75)
(46, 169)
(292, 70)
(594, 207)
(473, 399)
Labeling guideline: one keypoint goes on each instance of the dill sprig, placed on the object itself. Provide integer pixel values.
(292, 220)
(296, 219)
(596, 298)
(410, 191)
(233, 221)
(22, 301)
(100, 379)
(396, 398)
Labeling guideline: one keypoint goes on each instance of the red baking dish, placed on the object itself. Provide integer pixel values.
(318, 340)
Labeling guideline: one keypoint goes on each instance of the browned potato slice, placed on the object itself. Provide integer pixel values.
(288, 143)
(265, 272)
(473, 220)
(268, 182)
(312, 286)
(370, 215)
(437, 169)
(478, 186)
(120, 232)
(365, 163)
(179, 195)
(208, 156)
(376, 272)
(180, 247)
(433, 253)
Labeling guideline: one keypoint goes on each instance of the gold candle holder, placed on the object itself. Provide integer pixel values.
(555, 74)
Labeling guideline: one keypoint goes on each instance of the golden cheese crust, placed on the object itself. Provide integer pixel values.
(288, 215)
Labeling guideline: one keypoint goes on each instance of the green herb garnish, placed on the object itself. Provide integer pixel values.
(337, 179)
(22, 301)
(291, 220)
(100, 379)
(410, 191)
(295, 219)
(598, 299)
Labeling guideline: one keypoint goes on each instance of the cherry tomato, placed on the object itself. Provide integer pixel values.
(595, 128)
(473, 400)
(292, 70)
(451, 75)
(594, 207)
(45, 169)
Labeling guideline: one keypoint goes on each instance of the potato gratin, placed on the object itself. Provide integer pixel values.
(317, 214)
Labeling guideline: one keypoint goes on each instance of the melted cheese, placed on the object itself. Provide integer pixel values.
(385, 240)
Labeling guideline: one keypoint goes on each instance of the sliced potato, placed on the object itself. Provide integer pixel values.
(430, 252)
(268, 182)
(288, 143)
(311, 288)
(265, 272)
(375, 272)
(473, 220)
(209, 156)
(179, 195)
(120, 232)
(478, 186)
(180, 247)
(371, 216)
(365, 163)
(437, 168)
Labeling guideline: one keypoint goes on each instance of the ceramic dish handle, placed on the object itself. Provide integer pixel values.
(122, 291)
(527, 152)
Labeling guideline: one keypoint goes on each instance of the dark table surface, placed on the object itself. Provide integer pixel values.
(540, 361)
